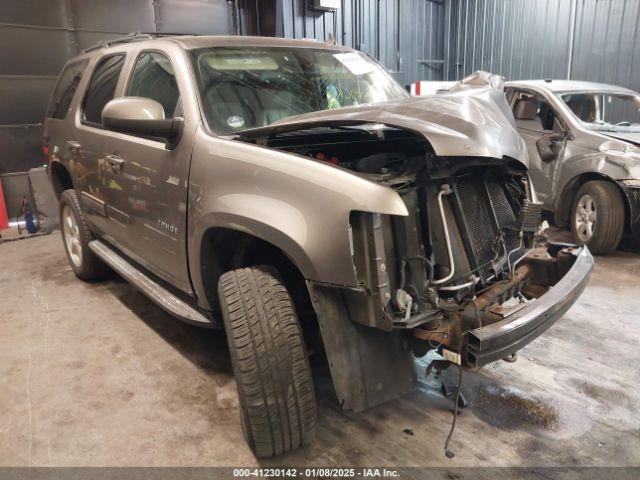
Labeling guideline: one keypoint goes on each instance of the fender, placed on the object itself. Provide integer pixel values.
(250, 226)
(581, 163)
(298, 204)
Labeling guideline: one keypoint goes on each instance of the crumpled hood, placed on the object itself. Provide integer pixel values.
(468, 121)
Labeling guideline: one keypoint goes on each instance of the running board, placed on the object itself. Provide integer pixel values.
(149, 287)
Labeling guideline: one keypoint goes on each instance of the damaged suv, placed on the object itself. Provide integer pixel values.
(292, 193)
(583, 140)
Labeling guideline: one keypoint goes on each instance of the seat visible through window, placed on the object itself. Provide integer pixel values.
(153, 78)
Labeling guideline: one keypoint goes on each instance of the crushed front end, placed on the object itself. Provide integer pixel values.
(466, 273)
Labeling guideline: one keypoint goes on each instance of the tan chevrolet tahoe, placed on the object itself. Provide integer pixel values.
(293, 194)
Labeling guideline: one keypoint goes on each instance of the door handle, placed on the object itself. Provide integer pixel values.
(73, 146)
(116, 162)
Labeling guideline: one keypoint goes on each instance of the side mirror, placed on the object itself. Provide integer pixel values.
(141, 116)
(550, 146)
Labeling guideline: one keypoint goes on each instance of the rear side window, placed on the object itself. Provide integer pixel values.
(153, 77)
(65, 89)
(102, 87)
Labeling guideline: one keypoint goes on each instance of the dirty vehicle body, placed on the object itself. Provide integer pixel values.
(377, 229)
(583, 140)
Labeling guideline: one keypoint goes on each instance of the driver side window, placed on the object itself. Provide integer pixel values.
(533, 112)
(153, 77)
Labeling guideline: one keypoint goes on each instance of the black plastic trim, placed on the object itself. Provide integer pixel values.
(499, 340)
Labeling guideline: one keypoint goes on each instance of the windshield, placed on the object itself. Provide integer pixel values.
(244, 88)
(610, 112)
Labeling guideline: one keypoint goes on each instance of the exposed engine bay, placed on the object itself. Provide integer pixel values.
(464, 258)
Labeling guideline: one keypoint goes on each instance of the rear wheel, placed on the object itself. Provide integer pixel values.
(597, 217)
(76, 237)
(269, 359)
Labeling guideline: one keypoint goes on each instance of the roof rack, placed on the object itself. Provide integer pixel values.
(132, 37)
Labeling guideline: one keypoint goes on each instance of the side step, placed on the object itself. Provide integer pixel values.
(152, 289)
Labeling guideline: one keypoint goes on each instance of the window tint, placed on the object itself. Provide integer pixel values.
(153, 77)
(102, 87)
(65, 89)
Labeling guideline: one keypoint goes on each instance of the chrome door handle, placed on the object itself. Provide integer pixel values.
(73, 146)
(116, 162)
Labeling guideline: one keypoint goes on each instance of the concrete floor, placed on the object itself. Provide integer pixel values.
(97, 375)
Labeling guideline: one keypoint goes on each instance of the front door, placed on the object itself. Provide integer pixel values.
(537, 124)
(146, 182)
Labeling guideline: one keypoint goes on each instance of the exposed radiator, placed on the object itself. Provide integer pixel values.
(529, 221)
(485, 210)
(477, 220)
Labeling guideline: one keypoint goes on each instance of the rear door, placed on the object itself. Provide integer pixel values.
(58, 124)
(144, 183)
(87, 144)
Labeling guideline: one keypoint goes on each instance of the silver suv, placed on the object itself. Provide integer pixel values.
(293, 194)
(583, 141)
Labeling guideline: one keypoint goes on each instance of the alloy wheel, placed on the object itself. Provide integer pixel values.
(72, 236)
(585, 218)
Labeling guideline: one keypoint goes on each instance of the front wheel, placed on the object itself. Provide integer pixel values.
(597, 217)
(269, 359)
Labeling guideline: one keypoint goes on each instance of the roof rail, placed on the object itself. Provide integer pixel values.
(132, 37)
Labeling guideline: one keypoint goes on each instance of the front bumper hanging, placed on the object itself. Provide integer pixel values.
(501, 339)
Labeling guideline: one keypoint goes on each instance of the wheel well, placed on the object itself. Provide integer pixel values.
(60, 178)
(223, 249)
(565, 203)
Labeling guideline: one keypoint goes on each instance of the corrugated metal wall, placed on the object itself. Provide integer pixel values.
(407, 36)
(607, 42)
(517, 38)
(38, 36)
(595, 40)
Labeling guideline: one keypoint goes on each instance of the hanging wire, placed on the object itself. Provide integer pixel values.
(447, 451)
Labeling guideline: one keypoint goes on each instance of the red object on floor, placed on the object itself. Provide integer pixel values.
(4, 218)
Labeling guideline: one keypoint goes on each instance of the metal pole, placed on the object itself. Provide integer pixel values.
(398, 57)
(258, 17)
(447, 40)
(378, 29)
(344, 34)
(572, 32)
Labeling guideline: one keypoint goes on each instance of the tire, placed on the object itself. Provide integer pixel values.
(269, 359)
(601, 202)
(76, 237)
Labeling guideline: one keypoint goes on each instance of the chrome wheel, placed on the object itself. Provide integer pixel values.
(71, 236)
(585, 218)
